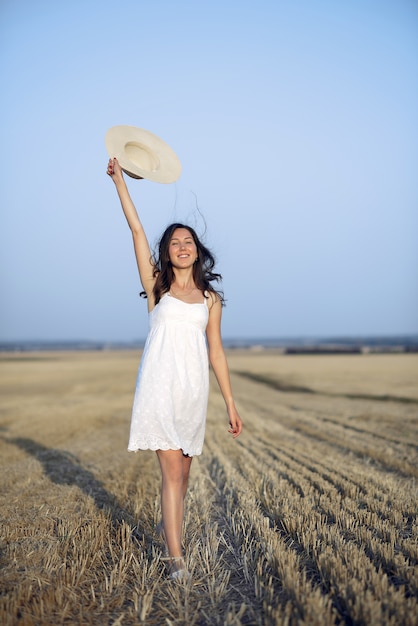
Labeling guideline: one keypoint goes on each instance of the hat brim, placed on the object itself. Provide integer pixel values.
(142, 154)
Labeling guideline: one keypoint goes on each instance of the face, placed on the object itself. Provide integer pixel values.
(182, 249)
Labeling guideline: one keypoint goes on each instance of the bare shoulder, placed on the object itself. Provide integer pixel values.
(213, 298)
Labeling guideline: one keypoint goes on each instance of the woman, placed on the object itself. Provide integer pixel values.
(169, 411)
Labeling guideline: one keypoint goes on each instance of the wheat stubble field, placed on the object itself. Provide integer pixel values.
(308, 518)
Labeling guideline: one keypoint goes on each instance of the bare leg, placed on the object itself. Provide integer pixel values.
(187, 461)
(175, 468)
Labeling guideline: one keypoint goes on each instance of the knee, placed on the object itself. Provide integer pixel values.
(172, 469)
(173, 474)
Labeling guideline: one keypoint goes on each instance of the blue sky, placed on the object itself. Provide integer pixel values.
(296, 126)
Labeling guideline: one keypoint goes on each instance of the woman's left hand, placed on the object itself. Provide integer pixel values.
(235, 422)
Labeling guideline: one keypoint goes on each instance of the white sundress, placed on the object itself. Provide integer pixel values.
(171, 396)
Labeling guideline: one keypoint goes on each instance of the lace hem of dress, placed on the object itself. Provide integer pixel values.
(158, 444)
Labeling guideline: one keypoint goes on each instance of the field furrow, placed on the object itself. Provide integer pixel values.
(309, 518)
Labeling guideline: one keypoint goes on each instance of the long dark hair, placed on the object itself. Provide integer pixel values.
(203, 273)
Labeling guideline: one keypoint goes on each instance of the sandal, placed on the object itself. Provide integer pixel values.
(180, 575)
(177, 573)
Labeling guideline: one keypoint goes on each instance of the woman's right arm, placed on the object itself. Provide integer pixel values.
(141, 245)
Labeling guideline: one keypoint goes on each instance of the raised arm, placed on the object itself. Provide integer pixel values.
(220, 367)
(141, 245)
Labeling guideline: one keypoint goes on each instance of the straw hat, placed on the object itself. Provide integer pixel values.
(142, 154)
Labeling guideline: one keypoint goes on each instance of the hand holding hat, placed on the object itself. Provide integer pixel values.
(114, 170)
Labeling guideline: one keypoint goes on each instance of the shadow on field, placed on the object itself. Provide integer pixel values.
(63, 468)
